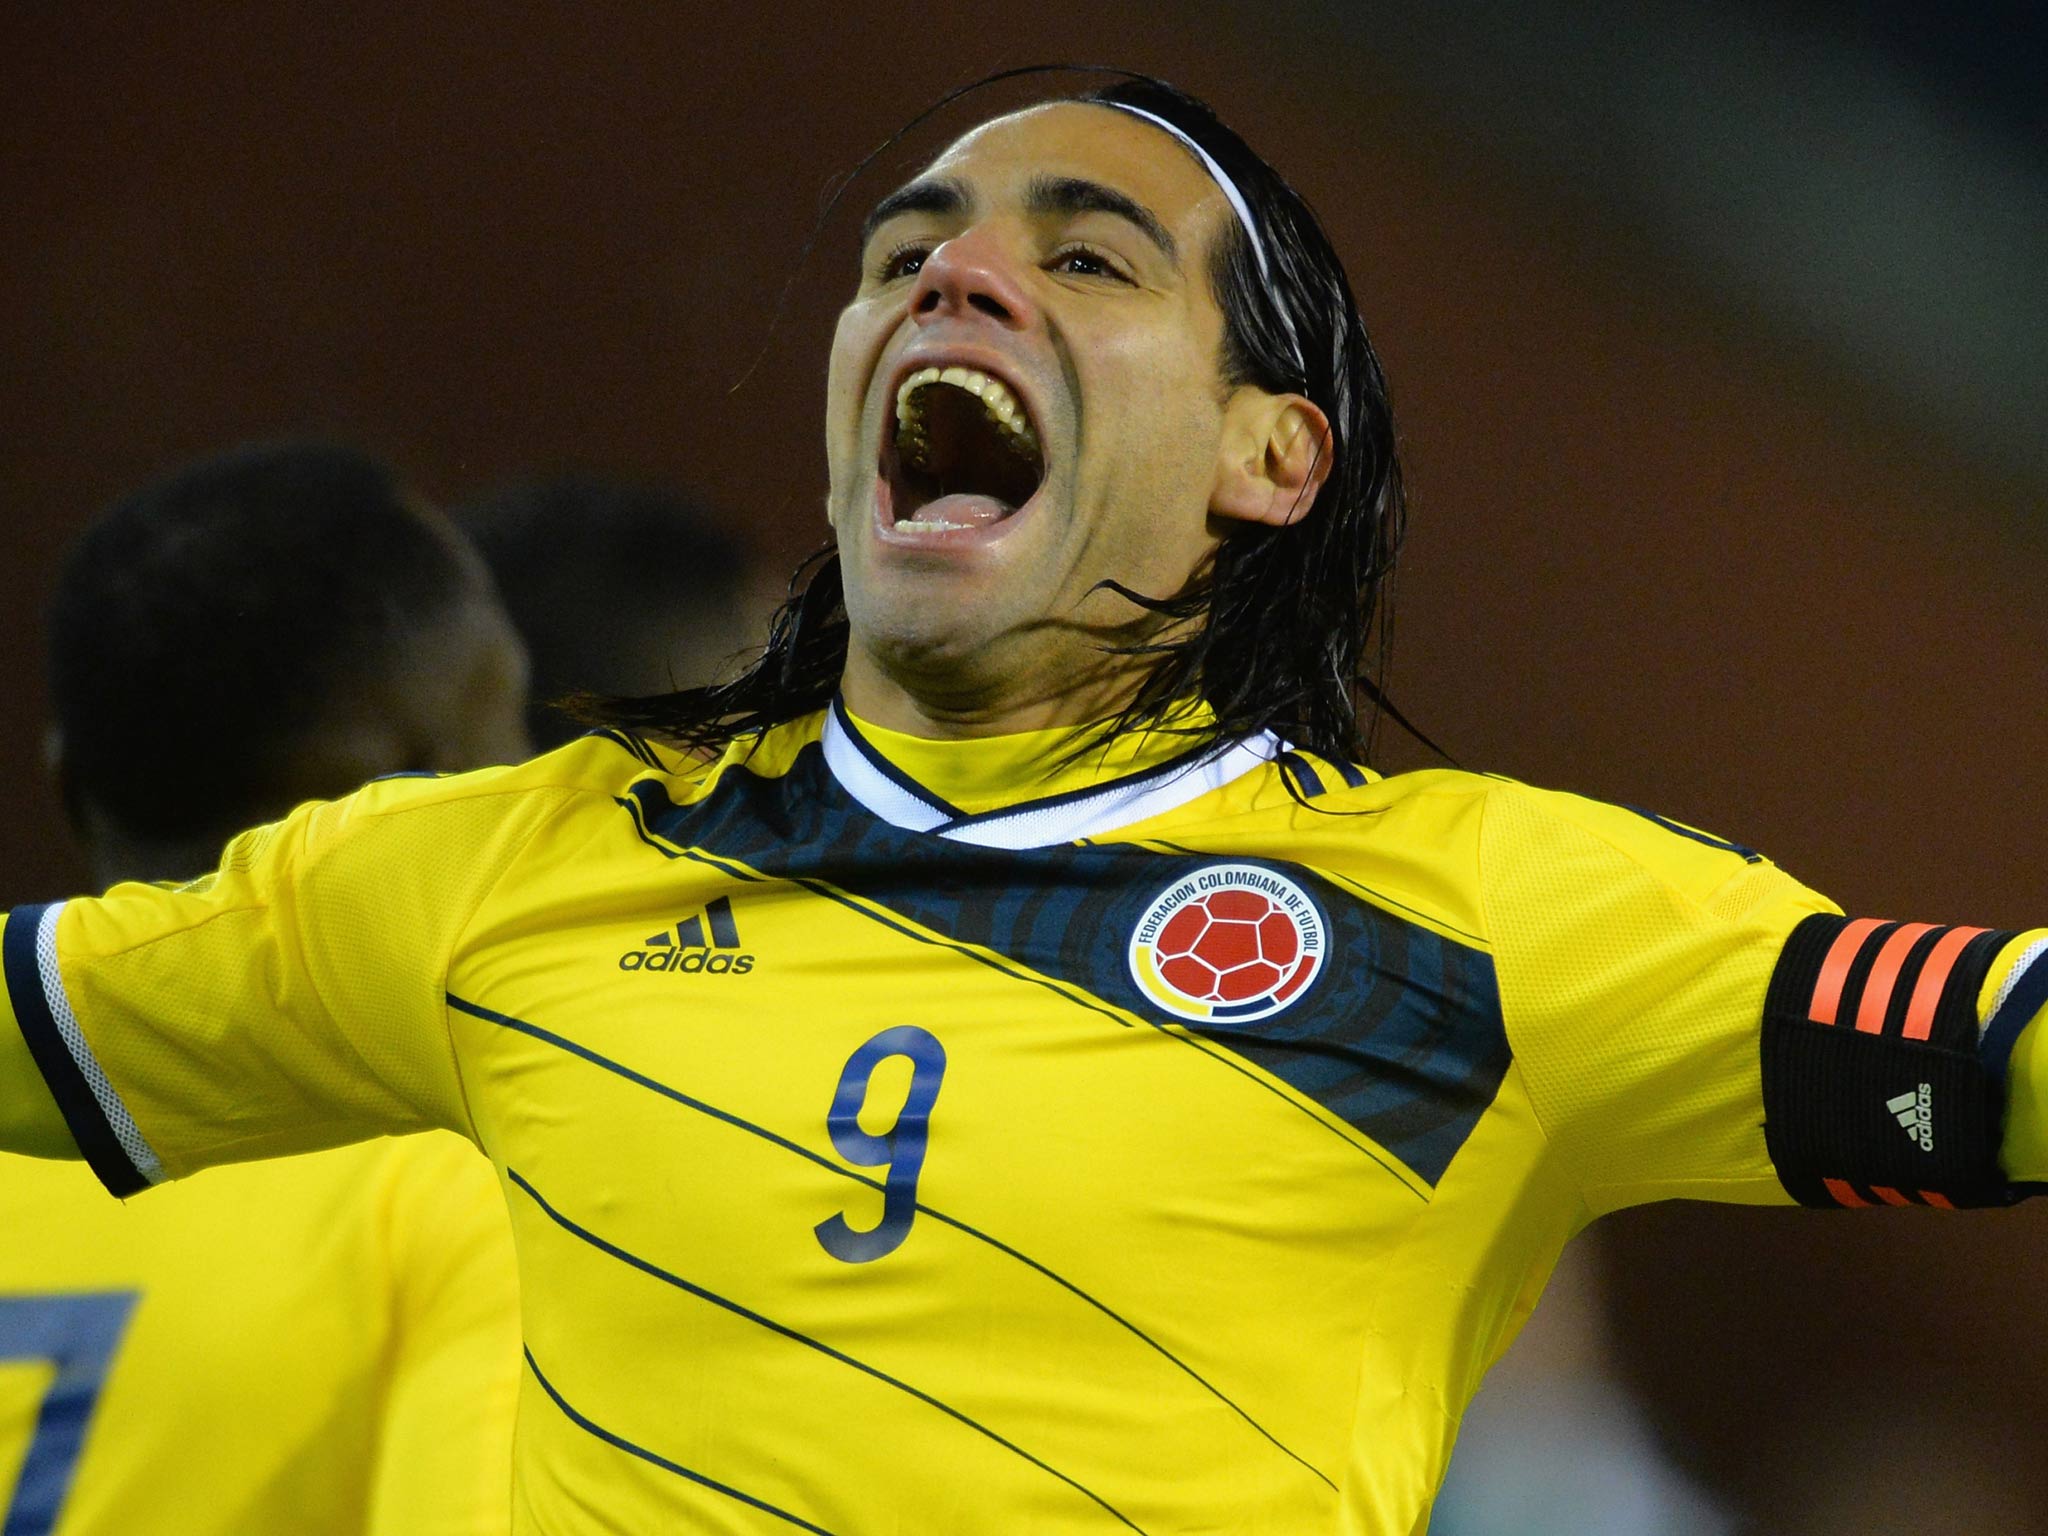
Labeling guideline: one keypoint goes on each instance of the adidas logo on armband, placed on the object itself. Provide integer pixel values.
(1914, 1110)
(684, 949)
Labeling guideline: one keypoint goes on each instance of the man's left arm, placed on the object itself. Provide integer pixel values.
(1694, 1023)
(1885, 1051)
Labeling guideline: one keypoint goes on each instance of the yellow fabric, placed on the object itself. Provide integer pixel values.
(323, 1344)
(2026, 1117)
(1183, 1275)
(29, 1118)
(331, 929)
(985, 773)
(1633, 965)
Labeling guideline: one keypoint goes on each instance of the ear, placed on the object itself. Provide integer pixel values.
(1274, 457)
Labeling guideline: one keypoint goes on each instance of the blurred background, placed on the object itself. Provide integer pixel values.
(1719, 339)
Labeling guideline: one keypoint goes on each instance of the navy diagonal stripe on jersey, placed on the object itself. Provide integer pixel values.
(675, 1095)
(1080, 999)
(1401, 1037)
(667, 1277)
(631, 805)
(1184, 1033)
(620, 1442)
(1195, 1035)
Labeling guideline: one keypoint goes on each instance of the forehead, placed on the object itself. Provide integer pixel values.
(1000, 159)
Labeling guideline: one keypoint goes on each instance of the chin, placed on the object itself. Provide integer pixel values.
(908, 592)
(913, 646)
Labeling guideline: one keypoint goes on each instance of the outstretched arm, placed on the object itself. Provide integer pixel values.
(1695, 1023)
(293, 1000)
(29, 1118)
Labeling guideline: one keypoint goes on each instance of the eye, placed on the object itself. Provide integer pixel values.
(1086, 261)
(905, 260)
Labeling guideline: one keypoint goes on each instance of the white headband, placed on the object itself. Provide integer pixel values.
(1238, 206)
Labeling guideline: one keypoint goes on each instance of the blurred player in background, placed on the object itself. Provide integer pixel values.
(1555, 1445)
(1000, 1062)
(617, 589)
(276, 625)
(322, 1344)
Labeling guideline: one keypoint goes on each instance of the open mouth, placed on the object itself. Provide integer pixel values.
(963, 453)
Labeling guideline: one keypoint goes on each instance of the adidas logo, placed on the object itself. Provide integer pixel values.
(1915, 1111)
(683, 948)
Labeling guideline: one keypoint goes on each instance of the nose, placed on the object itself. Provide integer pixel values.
(971, 275)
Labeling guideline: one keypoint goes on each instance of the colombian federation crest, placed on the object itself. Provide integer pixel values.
(1230, 942)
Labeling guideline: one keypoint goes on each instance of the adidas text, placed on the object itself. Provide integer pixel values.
(685, 951)
(1915, 1112)
(687, 962)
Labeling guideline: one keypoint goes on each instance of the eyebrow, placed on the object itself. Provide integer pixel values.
(1073, 194)
(1045, 195)
(936, 194)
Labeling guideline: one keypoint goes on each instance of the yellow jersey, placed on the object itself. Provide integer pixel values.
(1168, 1150)
(326, 1345)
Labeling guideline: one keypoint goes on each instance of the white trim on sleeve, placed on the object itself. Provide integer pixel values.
(2021, 966)
(119, 1121)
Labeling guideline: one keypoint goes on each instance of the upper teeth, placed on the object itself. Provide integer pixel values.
(994, 395)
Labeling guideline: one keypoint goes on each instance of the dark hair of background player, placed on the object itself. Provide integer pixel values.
(1288, 628)
(618, 589)
(201, 626)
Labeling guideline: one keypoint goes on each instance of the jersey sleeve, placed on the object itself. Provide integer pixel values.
(1634, 955)
(444, 1451)
(1693, 1022)
(291, 1000)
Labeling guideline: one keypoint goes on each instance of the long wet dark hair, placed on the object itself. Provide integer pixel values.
(1287, 628)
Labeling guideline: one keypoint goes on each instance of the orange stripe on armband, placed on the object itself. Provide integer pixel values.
(1933, 977)
(1876, 1092)
(1834, 971)
(1884, 976)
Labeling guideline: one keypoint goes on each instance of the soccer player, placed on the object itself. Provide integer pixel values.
(319, 1344)
(616, 588)
(1001, 1063)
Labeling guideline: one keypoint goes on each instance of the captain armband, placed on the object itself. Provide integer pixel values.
(1882, 1085)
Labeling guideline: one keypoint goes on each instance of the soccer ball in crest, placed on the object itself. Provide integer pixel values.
(1233, 941)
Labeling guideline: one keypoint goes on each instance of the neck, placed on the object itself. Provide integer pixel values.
(985, 773)
(962, 710)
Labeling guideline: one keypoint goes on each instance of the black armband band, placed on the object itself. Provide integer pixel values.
(1876, 1091)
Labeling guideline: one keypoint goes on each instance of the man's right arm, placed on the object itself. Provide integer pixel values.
(293, 1000)
(29, 1118)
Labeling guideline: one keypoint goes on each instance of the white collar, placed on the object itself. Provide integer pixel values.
(888, 793)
